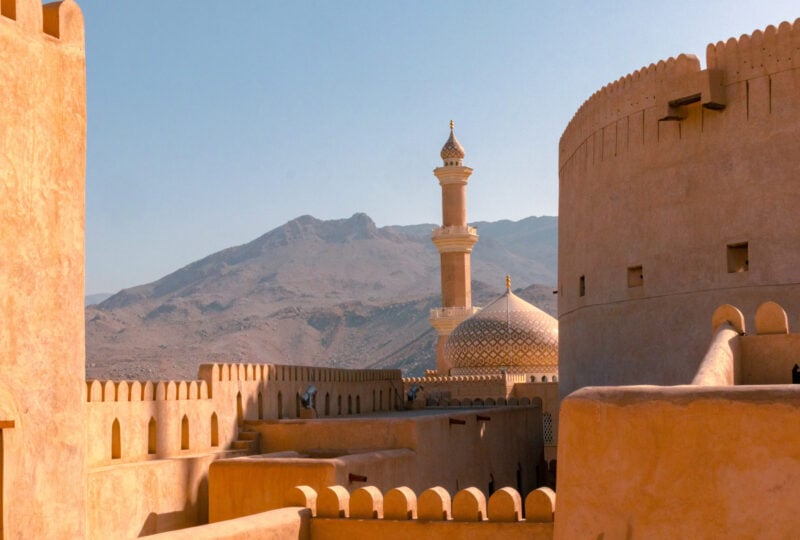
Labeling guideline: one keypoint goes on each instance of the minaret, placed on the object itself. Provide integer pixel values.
(454, 240)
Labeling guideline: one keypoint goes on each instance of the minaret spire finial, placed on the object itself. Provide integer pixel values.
(452, 125)
(508, 282)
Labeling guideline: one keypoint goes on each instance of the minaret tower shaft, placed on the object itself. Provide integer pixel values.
(454, 240)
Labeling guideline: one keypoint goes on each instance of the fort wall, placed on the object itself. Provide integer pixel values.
(677, 186)
(42, 164)
(153, 442)
(452, 448)
(727, 462)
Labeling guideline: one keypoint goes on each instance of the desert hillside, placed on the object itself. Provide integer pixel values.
(339, 293)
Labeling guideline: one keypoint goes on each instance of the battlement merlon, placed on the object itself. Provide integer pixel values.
(61, 20)
(760, 54)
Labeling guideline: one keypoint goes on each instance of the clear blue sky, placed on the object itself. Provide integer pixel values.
(211, 123)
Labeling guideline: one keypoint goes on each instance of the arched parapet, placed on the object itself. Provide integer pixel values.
(193, 390)
(469, 505)
(727, 313)
(623, 97)
(526, 401)
(148, 391)
(136, 391)
(182, 390)
(333, 502)
(122, 391)
(161, 391)
(202, 390)
(771, 319)
(434, 504)
(94, 391)
(505, 504)
(63, 20)
(366, 503)
(304, 496)
(109, 391)
(27, 13)
(171, 391)
(400, 504)
(540, 505)
(759, 53)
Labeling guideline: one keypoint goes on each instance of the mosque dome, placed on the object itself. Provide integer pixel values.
(452, 149)
(507, 334)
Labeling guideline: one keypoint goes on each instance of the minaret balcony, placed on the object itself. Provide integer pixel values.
(454, 238)
(445, 319)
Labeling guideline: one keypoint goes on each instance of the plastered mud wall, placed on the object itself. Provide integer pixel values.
(42, 166)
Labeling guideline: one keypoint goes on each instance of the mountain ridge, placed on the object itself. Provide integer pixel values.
(311, 291)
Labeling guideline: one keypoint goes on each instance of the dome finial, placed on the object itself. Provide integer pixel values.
(452, 151)
(508, 282)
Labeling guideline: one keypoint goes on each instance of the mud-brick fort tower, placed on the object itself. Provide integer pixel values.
(454, 240)
(42, 165)
(676, 187)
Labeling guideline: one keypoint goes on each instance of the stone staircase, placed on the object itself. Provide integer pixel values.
(248, 440)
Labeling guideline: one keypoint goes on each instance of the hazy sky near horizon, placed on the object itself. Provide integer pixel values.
(211, 123)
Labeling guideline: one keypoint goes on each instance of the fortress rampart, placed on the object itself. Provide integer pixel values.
(677, 190)
(42, 166)
(153, 441)
(726, 443)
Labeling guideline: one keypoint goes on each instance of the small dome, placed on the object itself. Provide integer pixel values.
(452, 149)
(508, 333)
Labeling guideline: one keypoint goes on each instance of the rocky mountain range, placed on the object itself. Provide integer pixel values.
(341, 293)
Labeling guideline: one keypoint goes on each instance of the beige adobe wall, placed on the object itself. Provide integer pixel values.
(42, 167)
(282, 524)
(551, 403)
(168, 488)
(679, 462)
(243, 486)
(670, 196)
(489, 442)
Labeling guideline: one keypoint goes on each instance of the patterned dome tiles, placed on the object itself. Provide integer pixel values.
(508, 333)
(452, 149)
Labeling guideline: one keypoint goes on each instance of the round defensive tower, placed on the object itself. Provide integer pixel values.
(679, 192)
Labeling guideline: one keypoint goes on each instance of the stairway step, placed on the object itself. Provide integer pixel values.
(242, 445)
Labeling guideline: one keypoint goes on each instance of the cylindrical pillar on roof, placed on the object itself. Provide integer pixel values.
(454, 241)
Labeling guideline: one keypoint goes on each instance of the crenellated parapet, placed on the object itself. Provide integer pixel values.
(773, 50)
(433, 505)
(125, 391)
(60, 20)
(614, 120)
(734, 357)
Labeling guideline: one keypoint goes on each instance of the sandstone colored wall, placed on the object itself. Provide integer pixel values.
(679, 462)
(163, 472)
(42, 168)
(418, 451)
(640, 187)
(282, 524)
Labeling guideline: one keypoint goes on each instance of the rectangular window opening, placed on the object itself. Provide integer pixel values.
(582, 286)
(635, 276)
(738, 258)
